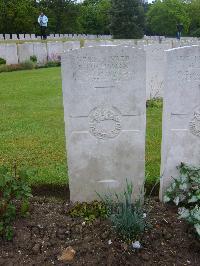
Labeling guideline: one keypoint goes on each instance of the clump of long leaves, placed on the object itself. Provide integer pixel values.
(14, 198)
(127, 216)
(185, 192)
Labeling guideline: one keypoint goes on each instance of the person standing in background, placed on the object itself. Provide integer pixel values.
(43, 20)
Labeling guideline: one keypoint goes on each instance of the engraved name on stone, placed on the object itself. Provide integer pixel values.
(112, 68)
(105, 122)
(194, 124)
(192, 74)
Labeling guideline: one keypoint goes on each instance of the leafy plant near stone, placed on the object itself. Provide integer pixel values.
(33, 58)
(185, 192)
(127, 216)
(89, 211)
(2, 61)
(14, 198)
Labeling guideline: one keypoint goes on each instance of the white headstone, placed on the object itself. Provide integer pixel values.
(181, 114)
(54, 50)
(25, 50)
(14, 37)
(40, 51)
(155, 69)
(21, 36)
(51, 36)
(3, 51)
(105, 113)
(11, 54)
(7, 36)
(27, 37)
(71, 45)
(1, 37)
(88, 43)
(33, 37)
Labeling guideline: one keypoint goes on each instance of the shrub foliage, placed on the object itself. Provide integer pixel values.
(14, 198)
(185, 193)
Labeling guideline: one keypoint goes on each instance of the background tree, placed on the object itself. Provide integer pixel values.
(163, 16)
(127, 19)
(94, 16)
(194, 14)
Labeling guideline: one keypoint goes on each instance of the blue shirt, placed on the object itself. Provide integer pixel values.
(42, 20)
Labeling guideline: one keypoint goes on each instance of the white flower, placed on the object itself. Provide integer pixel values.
(144, 215)
(109, 242)
(136, 245)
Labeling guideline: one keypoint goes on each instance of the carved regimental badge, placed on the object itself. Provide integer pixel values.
(105, 122)
(195, 123)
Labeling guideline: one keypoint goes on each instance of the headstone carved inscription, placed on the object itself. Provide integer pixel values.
(181, 114)
(104, 107)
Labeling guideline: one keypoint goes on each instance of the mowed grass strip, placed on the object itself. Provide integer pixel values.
(32, 126)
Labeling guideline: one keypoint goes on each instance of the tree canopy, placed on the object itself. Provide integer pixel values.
(122, 18)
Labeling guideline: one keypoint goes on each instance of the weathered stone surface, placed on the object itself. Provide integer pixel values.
(21, 36)
(104, 107)
(9, 53)
(89, 43)
(71, 45)
(40, 51)
(54, 50)
(7, 36)
(181, 114)
(155, 69)
(25, 50)
(14, 37)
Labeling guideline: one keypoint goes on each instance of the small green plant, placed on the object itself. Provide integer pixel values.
(82, 43)
(14, 198)
(52, 64)
(33, 58)
(2, 61)
(28, 64)
(185, 192)
(89, 211)
(154, 103)
(127, 216)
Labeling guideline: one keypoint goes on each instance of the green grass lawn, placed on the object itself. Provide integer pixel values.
(32, 126)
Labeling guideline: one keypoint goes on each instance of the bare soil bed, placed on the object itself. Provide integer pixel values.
(40, 239)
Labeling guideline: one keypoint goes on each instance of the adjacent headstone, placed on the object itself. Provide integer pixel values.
(14, 37)
(89, 43)
(27, 37)
(25, 51)
(181, 114)
(7, 36)
(40, 51)
(3, 51)
(51, 36)
(71, 45)
(11, 54)
(155, 69)
(105, 112)
(21, 36)
(1, 37)
(54, 50)
(33, 37)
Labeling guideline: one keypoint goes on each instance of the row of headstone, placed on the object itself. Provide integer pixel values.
(53, 50)
(50, 51)
(105, 117)
(52, 36)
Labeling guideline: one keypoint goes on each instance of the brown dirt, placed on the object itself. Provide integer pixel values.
(40, 239)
